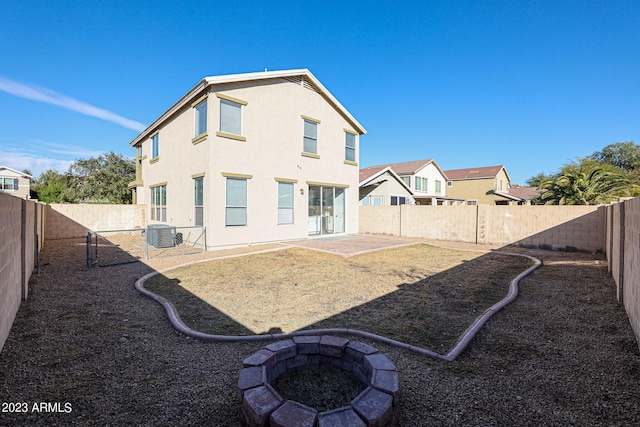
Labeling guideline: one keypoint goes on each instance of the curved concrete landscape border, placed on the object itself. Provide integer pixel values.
(459, 346)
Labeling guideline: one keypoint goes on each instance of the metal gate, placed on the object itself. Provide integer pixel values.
(117, 247)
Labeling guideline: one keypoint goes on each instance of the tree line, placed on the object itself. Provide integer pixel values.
(601, 178)
(102, 179)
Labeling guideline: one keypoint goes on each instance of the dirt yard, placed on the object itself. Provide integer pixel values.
(421, 295)
(96, 352)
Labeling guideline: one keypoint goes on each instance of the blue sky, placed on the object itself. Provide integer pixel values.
(527, 84)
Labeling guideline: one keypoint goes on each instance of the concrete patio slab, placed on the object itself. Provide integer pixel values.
(352, 244)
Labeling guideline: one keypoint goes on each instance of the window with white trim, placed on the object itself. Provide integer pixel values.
(285, 203)
(406, 180)
(236, 206)
(159, 203)
(438, 186)
(9, 183)
(421, 183)
(398, 200)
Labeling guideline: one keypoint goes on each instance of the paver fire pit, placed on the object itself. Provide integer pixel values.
(377, 405)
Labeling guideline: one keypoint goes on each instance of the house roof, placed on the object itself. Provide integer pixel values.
(523, 192)
(409, 168)
(475, 173)
(368, 175)
(302, 76)
(26, 175)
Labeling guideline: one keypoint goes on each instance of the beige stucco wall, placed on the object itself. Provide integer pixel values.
(64, 221)
(388, 186)
(480, 189)
(553, 227)
(273, 128)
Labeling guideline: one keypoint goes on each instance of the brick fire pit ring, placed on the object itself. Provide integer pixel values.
(377, 405)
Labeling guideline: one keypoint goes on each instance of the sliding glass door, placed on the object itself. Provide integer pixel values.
(326, 210)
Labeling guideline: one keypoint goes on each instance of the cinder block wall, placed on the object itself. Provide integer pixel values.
(553, 227)
(10, 266)
(64, 221)
(631, 263)
(17, 256)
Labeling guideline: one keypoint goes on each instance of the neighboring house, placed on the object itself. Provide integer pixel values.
(484, 185)
(381, 186)
(524, 193)
(253, 157)
(15, 183)
(425, 179)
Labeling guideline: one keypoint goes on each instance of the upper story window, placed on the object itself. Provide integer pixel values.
(201, 117)
(155, 141)
(438, 186)
(230, 117)
(449, 183)
(9, 183)
(350, 146)
(310, 139)
(406, 180)
(421, 183)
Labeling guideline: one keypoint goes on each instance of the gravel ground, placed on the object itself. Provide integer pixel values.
(87, 349)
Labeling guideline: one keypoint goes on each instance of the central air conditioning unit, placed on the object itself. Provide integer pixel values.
(161, 236)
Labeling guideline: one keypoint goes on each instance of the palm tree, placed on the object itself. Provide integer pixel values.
(586, 182)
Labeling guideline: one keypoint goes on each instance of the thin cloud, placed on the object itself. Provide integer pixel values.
(66, 149)
(51, 97)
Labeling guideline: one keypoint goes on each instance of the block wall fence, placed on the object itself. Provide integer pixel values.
(21, 237)
(613, 229)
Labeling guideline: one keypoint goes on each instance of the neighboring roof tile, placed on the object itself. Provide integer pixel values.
(526, 193)
(367, 173)
(406, 168)
(473, 173)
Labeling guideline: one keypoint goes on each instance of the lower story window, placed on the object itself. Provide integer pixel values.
(236, 210)
(285, 203)
(398, 200)
(371, 201)
(159, 203)
(199, 204)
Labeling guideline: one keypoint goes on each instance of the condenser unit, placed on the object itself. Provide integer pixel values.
(161, 235)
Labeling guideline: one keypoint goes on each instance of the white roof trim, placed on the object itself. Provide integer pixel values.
(233, 78)
(382, 172)
(26, 175)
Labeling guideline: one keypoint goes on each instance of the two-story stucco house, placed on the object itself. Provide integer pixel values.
(14, 182)
(424, 178)
(484, 185)
(254, 157)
